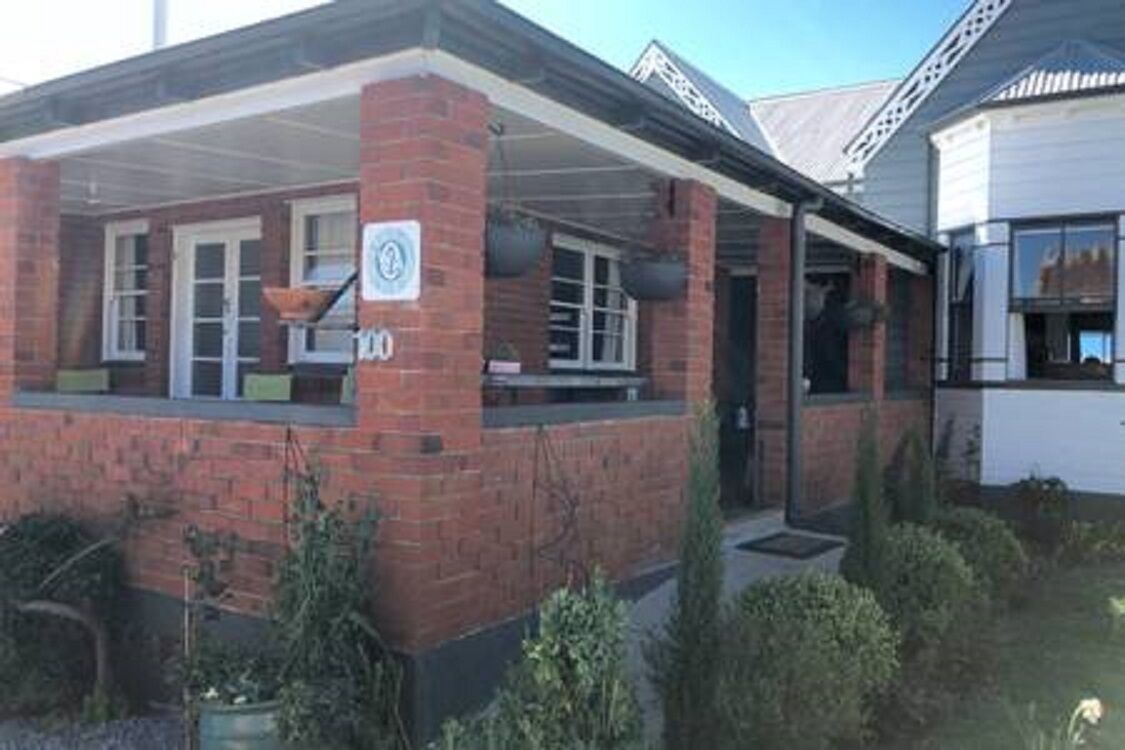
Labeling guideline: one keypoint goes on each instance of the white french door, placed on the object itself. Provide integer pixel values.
(216, 308)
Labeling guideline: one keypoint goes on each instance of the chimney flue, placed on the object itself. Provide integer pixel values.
(159, 23)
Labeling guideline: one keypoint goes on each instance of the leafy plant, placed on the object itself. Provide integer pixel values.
(1087, 542)
(1043, 508)
(803, 658)
(915, 483)
(503, 351)
(570, 690)
(863, 559)
(684, 659)
(339, 684)
(226, 673)
(1071, 733)
(992, 551)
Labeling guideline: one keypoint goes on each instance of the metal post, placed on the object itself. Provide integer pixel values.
(159, 23)
(796, 391)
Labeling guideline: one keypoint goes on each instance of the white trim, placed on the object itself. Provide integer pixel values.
(590, 250)
(183, 239)
(113, 230)
(826, 229)
(656, 61)
(299, 209)
(909, 95)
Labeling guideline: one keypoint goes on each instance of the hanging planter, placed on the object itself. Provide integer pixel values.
(513, 244)
(864, 313)
(298, 304)
(816, 296)
(654, 277)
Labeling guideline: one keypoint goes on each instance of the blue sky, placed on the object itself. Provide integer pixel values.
(758, 47)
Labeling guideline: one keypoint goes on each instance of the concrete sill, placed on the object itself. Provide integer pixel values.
(551, 414)
(832, 399)
(316, 415)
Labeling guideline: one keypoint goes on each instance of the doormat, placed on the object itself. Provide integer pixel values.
(786, 544)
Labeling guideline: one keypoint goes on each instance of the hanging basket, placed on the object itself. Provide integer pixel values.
(513, 244)
(861, 314)
(298, 304)
(654, 278)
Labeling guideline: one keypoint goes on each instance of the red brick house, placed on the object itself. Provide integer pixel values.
(145, 205)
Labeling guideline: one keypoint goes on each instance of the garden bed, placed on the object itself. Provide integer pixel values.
(1054, 650)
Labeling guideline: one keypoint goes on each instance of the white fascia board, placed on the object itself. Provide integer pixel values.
(348, 80)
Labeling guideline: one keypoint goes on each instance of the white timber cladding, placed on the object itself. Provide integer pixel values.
(1119, 321)
(348, 80)
(655, 62)
(910, 94)
(941, 322)
(963, 174)
(990, 302)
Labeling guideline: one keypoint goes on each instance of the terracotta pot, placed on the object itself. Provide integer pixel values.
(297, 304)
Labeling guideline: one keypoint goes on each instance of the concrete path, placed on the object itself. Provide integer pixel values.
(741, 569)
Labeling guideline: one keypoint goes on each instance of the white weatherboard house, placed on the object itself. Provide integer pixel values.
(1006, 142)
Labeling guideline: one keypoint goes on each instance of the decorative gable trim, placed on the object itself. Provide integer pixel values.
(655, 61)
(917, 87)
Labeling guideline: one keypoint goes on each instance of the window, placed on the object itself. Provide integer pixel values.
(961, 283)
(1063, 281)
(322, 254)
(124, 320)
(593, 321)
(826, 332)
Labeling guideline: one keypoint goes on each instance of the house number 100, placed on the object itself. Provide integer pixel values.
(375, 344)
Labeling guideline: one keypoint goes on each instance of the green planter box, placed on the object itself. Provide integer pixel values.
(82, 381)
(259, 387)
(248, 727)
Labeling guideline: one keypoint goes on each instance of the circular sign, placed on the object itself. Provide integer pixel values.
(393, 266)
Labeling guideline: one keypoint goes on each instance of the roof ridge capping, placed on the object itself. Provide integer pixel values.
(1074, 66)
(824, 90)
(916, 88)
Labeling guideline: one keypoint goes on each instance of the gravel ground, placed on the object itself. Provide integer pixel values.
(150, 733)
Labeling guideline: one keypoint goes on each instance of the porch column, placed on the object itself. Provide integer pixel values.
(423, 158)
(29, 271)
(772, 364)
(867, 348)
(681, 335)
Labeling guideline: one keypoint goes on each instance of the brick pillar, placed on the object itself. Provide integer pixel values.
(29, 274)
(867, 348)
(681, 332)
(772, 364)
(423, 157)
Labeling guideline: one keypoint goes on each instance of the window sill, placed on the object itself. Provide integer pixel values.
(1032, 385)
(500, 417)
(222, 411)
(830, 399)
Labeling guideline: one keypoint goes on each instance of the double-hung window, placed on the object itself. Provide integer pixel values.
(592, 321)
(1063, 290)
(960, 327)
(322, 255)
(125, 292)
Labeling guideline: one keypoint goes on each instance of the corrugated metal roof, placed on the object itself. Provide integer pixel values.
(810, 130)
(732, 108)
(1075, 66)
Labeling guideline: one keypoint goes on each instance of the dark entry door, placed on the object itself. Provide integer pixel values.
(736, 409)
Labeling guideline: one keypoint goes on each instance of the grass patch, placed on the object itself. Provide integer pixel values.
(1058, 647)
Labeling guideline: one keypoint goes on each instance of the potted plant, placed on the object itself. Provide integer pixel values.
(502, 359)
(646, 276)
(513, 243)
(235, 692)
(864, 312)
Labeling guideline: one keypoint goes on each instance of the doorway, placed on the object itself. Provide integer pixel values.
(736, 403)
(216, 308)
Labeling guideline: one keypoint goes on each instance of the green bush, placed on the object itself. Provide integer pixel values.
(804, 657)
(862, 563)
(992, 551)
(684, 660)
(570, 690)
(913, 488)
(1043, 511)
(46, 662)
(935, 602)
(1087, 542)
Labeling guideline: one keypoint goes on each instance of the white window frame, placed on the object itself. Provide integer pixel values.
(591, 250)
(299, 210)
(111, 351)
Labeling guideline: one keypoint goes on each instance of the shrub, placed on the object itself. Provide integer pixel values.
(1087, 542)
(570, 689)
(992, 551)
(1043, 511)
(46, 661)
(862, 563)
(934, 601)
(915, 484)
(684, 661)
(804, 657)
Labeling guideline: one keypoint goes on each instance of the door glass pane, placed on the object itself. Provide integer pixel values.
(249, 299)
(209, 300)
(250, 258)
(206, 379)
(568, 264)
(210, 260)
(249, 339)
(1037, 256)
(207, 339)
